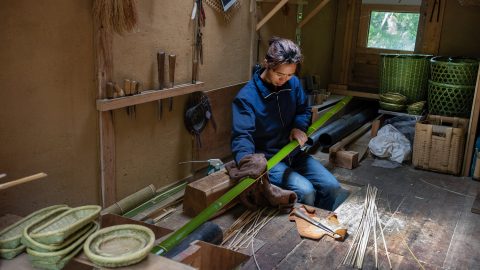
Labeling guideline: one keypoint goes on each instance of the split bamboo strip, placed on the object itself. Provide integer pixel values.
(161, 196)
(208, 212)
(22, 180)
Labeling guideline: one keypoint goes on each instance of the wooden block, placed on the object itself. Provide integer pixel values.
(204, 191)
(346, 159)
(376, 125)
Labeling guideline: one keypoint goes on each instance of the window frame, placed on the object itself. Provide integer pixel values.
(364, 24)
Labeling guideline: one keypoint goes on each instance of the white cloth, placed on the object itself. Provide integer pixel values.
(390, 143)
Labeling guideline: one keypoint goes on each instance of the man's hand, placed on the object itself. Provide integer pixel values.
(300, 136)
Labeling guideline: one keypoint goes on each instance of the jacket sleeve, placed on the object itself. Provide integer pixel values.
(243, 127)
(303, 112)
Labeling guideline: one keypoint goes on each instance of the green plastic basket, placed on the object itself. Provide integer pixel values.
(406, 74)
(457, 71)
(449, 99)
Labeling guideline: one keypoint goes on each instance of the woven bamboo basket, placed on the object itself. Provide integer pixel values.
(439, 144)
(456, 71)
(58, 229)
(449, 99)
(406, 74)
(10, 237)
(30, 243)
(9, 254)
(57, 259)
(119, 245)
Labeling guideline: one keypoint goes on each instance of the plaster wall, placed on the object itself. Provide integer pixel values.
(48, 121)
(48, 117)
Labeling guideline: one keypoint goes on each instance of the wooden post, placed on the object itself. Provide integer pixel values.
(104, 69)
(472, 129)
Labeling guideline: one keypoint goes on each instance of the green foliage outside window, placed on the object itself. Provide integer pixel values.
(393, 30)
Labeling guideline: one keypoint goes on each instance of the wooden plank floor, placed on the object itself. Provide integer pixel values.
(426, 212)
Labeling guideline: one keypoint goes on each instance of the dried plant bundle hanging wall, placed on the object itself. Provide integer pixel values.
(119, 16)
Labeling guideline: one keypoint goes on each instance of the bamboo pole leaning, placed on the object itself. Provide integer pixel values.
(213, 208)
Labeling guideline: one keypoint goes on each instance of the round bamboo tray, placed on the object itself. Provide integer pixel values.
(119, 245)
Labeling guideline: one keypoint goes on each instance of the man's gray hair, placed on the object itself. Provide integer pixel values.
(282, 51)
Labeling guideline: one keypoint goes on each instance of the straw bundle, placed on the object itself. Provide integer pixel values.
(116, 15)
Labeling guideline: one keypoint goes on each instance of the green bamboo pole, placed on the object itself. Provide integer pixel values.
(213, 208)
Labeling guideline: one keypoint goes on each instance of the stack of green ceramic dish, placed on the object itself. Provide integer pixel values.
(52, 241)
(10, 237)
(392, 101)
(119, 245)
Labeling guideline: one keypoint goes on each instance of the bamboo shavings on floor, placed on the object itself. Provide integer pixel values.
(369, 222)
(242, 232)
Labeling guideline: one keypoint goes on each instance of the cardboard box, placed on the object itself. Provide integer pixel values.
(439, 144)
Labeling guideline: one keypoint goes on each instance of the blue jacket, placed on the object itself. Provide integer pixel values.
(262, 119)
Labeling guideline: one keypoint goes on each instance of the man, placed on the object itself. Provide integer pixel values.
(271, 110)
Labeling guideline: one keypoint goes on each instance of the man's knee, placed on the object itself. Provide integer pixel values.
(306, 196)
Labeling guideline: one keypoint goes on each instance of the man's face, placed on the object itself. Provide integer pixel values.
(280, 75)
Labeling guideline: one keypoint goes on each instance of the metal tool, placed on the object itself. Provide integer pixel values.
(161, 80)
(171, 73)
(214, 164)
(307, 218)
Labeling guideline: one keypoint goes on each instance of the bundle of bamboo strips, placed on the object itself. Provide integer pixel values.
(369, 222)
(246, 227)
(116, 15)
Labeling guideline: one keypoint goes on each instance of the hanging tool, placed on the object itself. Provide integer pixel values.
(161, 80)
(171, 73)
(198, 16)
(214, 164)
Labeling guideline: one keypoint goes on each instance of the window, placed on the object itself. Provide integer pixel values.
(393, 30)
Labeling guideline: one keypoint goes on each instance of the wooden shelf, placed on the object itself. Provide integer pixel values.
(148, 96)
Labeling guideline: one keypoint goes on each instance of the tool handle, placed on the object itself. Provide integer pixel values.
(161, 69)
(194, 71)
(22, 180)
(127, 87)
(171, 68)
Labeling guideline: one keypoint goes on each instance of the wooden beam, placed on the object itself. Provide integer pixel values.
(314, 12)
(271, 13)
(472, 128)
(432, 21)
(104, 69)
(354, 93)
(148, 96)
